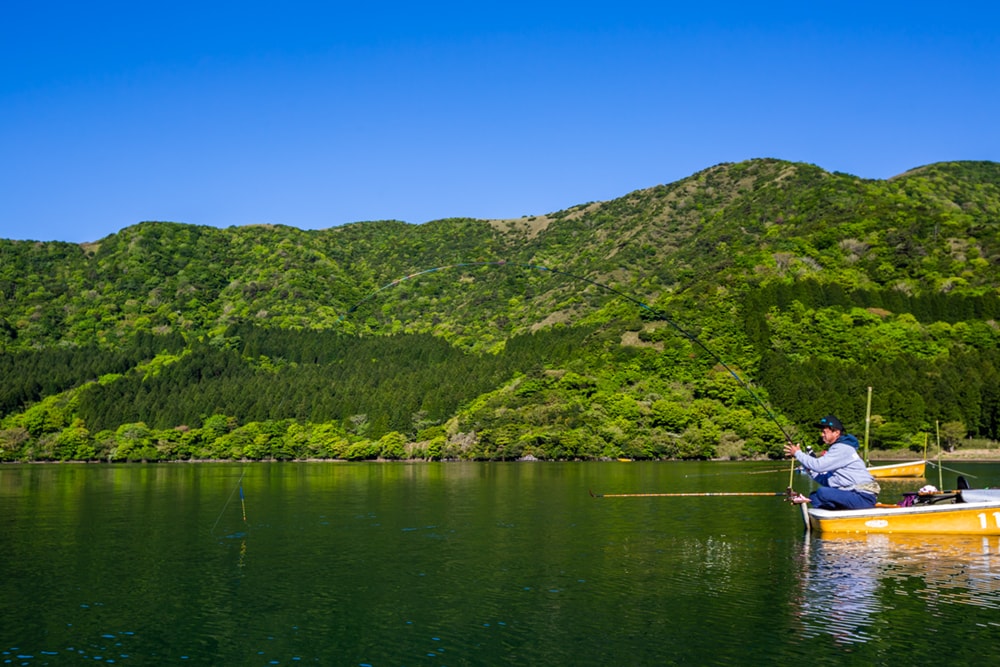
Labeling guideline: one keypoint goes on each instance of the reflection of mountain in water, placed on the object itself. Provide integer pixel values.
(847, 578)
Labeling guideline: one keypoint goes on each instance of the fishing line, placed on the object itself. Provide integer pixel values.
(238, 487)
(659, 314)
(737, 472)
(957, 472)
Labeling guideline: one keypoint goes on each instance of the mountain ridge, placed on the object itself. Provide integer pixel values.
(782, 268)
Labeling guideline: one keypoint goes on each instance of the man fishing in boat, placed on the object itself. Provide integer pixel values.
(844, 480)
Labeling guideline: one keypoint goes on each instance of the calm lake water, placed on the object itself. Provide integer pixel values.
(469, 564)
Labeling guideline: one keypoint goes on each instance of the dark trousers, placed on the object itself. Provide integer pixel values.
(828, 498)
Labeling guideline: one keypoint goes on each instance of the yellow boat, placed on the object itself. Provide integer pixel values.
(964, 512)
(908, 469)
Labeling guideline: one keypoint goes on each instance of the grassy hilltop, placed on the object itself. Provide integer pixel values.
(559, 335)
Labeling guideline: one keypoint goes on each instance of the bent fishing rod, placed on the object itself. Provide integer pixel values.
(658, 314)
(655, 312)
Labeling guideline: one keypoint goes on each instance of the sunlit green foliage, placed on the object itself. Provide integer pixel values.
(170, 341)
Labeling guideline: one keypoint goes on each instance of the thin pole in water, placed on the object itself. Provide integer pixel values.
(868, 421)
(239, 486)
(243, 503)
(937, 435)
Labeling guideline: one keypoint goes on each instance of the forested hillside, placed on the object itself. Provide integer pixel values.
(606, 330)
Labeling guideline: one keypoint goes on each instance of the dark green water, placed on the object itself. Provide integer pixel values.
(468, 564)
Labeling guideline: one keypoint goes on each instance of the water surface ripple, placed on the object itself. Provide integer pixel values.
(466, 564)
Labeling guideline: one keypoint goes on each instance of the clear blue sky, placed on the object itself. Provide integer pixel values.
(315, 114)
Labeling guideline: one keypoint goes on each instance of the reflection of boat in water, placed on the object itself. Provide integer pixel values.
(912, 547)
(964, 568)
(892, 470)
(851, 579)
(967, 511)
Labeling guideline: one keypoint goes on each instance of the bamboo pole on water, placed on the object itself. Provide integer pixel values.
(868, 421)
(937, 435)
(675, 495)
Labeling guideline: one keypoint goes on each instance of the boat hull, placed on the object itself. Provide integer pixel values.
(908, 469)
(979, 515)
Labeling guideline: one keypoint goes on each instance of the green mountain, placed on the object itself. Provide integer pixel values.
(711, 317)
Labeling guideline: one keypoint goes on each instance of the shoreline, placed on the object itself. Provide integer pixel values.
(970, 455)
(877, 457)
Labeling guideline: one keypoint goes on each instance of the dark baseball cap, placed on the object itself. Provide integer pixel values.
(831, 422)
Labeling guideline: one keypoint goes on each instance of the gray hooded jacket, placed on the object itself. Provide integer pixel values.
(841, 467)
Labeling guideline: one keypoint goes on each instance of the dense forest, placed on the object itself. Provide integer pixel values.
(707, 318)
